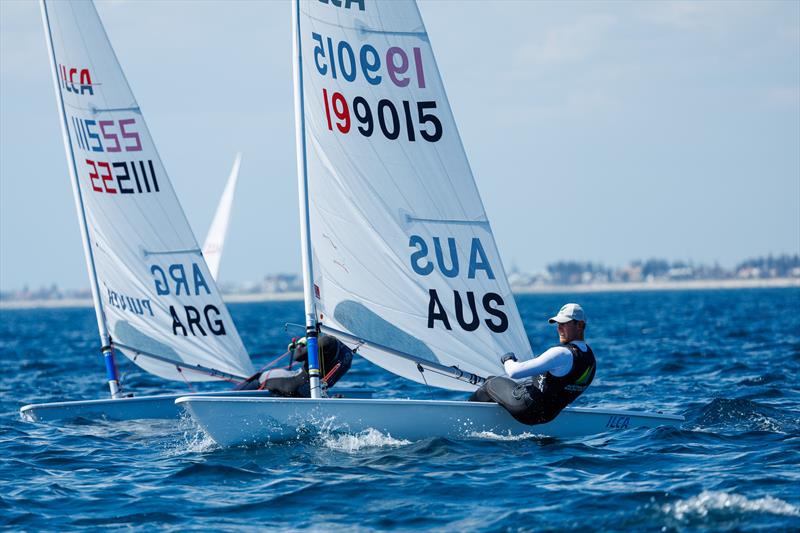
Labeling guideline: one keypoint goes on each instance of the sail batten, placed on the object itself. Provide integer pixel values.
(403, 253)
(151, 286)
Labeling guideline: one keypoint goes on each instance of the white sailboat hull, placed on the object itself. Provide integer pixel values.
(247, 421)
(160, 406)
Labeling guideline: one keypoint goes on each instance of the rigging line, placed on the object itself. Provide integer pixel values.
(287, 324)
(422, 373)
(474, 381)
(226, 376)
(332, 372)
(268, 365)
(188, 384)
(452, 372)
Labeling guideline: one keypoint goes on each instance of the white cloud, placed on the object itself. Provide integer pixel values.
(566, 44)
(716, 16)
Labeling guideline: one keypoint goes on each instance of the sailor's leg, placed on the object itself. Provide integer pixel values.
(521, 401)
(285, 383)
(480, 395)
(496, 389)
(251, 383)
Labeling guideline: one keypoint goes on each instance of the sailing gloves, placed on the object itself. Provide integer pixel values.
(508, 357)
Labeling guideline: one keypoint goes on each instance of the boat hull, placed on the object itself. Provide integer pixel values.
(159, 406)
(248, 421)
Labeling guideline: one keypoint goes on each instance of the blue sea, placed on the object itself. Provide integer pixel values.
(729, 361)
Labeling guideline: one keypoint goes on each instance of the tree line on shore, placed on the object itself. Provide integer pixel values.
(558, 273)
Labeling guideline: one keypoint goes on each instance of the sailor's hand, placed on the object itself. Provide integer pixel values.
(296, 343)
(508, 357)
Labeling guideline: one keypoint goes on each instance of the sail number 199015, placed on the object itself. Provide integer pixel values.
(391, 120)
(338, 60)
(369, 67)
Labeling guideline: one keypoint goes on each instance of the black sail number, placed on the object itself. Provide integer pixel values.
(393, 120)
(425, 118)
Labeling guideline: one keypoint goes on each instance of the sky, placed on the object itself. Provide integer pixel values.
(596, 131)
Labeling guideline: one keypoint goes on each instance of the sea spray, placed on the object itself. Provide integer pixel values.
(371, 438)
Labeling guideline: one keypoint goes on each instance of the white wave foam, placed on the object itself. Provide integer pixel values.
(711, 501)
(498, 436)
(765, 423)
(371, 438)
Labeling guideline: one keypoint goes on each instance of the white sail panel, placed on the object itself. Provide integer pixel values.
(403, 253)
(215, 240)
(157, 294)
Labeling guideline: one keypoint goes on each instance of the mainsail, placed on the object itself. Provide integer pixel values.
(403, 254)
(215, 240)
(153, 291)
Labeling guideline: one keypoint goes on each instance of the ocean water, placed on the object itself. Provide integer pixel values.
(729, 361)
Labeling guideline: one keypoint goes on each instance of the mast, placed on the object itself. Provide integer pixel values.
(105, 338)
(305, 230)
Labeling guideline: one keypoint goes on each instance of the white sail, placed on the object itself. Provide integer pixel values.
(403, 254)
(156, 296)
(215, 239)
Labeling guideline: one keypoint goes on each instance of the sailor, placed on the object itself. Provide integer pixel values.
(335, 359)
(554, 379)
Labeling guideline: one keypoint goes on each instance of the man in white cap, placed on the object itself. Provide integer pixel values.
(558, 376)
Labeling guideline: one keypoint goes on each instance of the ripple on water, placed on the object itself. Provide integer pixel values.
(739, 415)
(204, 472)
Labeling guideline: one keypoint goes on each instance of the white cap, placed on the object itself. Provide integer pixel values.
(569, 312)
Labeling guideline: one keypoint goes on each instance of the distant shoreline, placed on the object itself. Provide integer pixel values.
(688, 285)
(723, 284)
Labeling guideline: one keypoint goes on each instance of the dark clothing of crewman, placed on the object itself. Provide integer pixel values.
(540, 399)
(335, 359)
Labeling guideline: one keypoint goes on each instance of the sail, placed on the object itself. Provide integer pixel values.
(215, 240)
(155, 292)
(403, 254)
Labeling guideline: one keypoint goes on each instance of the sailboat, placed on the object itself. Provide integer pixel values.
(399, 258)
(215, 239)
(155, 299)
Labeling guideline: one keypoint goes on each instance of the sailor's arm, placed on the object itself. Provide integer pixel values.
(554, 359)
